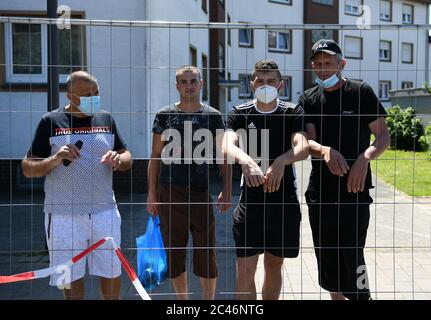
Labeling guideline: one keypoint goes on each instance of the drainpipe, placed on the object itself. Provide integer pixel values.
(427, 47)
(53, 86)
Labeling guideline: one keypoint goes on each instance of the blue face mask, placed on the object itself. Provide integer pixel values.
(328, 83)
(89, 105)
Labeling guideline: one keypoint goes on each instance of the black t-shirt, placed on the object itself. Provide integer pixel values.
(188, 172)
(341, 119)
(279, 124)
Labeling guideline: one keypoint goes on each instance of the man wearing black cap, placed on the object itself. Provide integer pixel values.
(340, 116)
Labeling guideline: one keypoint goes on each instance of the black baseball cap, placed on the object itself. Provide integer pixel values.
(326, 45)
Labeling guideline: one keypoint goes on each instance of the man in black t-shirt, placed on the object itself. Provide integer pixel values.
(267, 218)
(184, 136)
(340, 115)
(76, 148)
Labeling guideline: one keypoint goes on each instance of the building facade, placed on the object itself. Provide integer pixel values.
(136, 65)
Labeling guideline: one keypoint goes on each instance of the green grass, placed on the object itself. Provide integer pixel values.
(409, 171)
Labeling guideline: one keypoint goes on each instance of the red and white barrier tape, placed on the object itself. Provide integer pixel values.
(43, 273)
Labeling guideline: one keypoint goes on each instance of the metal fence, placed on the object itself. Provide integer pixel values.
(135, 63)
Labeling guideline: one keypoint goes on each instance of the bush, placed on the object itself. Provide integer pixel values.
(425, 140)
(406, 130)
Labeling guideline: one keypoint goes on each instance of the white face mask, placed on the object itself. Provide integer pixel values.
(328, 83)
(266, 94)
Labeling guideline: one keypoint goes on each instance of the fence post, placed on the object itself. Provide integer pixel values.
(53, 81)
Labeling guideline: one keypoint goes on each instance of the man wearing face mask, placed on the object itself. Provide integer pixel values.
(76, 148)
(340, 116)
(267, 218)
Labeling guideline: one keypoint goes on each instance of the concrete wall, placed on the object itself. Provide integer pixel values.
(370, 68)
(136, 67)
(114, 55)
(169, 49)
(241, 60)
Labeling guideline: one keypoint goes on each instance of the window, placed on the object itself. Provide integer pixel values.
(26, 52)
(324, 2)
(407, 53)
(205, 77)
(280, 41)
(408, 14)
(286, 94)
(205, 6)
(406, 85)
(71, 50)
(289, 2)
(246, 38)
(353, 47)
(386, 10)
(193, 57)
(244, 91)
(353, 7)
(385, 51)
(384, 88)
(317, 35)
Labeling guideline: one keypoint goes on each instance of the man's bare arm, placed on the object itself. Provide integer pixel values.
(153, 173)
(253, 175)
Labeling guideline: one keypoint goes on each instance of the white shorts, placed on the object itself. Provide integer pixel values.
(68, 235)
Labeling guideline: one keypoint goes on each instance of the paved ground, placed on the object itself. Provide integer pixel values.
(398, 251)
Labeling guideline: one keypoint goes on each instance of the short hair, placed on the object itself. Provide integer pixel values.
(187, 68)
(266, 66)
(81, 75)
(339, 57)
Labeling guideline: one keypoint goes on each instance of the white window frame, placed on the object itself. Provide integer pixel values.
(384, 18)
(411, 21)
(407, 84)
(286, 2)
(381, 84)
(41, 78)
(349, 8)
(287, 88)
(249, 93)
(412, 47)
(289, 42)
(248, 44)
(12, 77)
(389, 58)
(361, 49)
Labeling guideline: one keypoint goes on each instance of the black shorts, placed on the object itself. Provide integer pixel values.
(267, 222)
(339, 234)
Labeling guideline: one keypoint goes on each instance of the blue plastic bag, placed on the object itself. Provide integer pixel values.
(152, 266)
